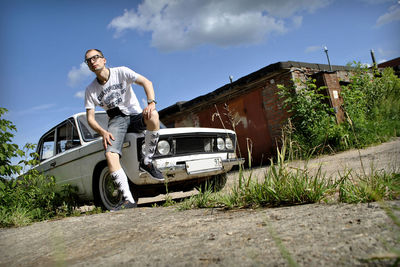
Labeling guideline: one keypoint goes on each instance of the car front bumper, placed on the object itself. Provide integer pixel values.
(191, 168)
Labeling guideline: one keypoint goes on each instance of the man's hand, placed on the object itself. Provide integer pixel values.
(148, 110)
(95, 126)
(106, 139)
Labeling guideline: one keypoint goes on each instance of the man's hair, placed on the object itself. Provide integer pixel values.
(101, 53)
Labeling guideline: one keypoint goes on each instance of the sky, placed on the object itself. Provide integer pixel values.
(187, 48)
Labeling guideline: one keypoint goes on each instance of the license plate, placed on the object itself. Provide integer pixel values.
(203, 165)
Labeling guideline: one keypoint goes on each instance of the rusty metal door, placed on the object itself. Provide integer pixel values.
(246, 112)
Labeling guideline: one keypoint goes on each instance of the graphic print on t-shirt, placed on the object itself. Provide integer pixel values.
(111, 96)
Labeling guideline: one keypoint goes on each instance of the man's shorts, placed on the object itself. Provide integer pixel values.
(119, 125)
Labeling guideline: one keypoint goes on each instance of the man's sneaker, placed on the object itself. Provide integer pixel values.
(124, 205)
(153, 171)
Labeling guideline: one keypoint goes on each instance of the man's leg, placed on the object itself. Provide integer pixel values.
(150, 141)
(118, 127)
(151, 137)
(118, 174)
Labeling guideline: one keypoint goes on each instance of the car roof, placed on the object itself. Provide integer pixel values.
(84, 113)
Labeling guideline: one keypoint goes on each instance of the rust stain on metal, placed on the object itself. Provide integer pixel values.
(247, 117)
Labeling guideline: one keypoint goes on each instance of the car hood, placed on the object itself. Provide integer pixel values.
(184, 130)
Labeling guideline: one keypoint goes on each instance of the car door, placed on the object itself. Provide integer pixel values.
(59, 155)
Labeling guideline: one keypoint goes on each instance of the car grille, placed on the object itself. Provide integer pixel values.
(192, 145)
(189, 144)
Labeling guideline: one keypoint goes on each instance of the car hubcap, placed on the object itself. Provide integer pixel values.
(110, 195)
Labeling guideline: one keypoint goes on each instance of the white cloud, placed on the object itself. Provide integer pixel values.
(375, 2)
(313, 48)
(80, 94)
(35, 109)
(392, 15)
(297, 21)
(183, 24)
(42, 107)
(387, 53)
(77, 75)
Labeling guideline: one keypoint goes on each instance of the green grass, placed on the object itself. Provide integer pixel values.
(368, 188)
(283, 186)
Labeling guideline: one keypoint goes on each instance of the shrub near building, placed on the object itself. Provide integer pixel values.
(372, 111)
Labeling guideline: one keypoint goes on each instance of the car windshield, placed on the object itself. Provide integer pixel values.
(88, 134)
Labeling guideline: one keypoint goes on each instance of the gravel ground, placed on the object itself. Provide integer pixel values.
(312, 235)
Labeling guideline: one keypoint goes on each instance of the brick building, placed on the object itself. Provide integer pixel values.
(252, 106)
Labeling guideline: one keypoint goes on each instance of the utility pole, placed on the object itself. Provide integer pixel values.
(327, 56)
(373, 58)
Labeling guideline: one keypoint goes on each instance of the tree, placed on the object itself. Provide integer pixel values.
(7, 149)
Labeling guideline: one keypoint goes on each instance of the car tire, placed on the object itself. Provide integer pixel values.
(106, 193)
(215, 183)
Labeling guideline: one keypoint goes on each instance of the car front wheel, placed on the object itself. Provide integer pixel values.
(107, 194)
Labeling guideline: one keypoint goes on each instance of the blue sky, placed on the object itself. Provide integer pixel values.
(186, 48)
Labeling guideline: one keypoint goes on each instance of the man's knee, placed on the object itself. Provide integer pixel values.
(153, 123)
(154, 116)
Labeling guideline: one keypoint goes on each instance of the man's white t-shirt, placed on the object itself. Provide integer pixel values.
(117, 92)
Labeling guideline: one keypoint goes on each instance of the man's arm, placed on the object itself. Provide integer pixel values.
(96, 126)
(149, 90)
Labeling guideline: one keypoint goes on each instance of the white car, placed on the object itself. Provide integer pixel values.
(188, 157)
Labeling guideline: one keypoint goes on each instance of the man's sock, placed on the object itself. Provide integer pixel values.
(150, 141)
(122, 181)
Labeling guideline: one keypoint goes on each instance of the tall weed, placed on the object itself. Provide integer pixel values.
(376, 186)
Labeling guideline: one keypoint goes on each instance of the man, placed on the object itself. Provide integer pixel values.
(111, 89)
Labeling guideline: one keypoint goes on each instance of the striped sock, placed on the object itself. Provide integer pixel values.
(122, 181)
(150, 141)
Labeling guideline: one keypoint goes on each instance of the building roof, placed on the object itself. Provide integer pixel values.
(261, 73)
(390, 63)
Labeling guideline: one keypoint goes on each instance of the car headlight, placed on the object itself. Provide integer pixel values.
(163, 147)
(220, 143)
(228, 143)
(143, 149)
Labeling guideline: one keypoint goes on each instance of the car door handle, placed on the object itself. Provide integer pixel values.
(53, 164)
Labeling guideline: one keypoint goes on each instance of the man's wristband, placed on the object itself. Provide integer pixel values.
(149, 101)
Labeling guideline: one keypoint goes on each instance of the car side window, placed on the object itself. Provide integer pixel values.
(67, 137)
(47, 146)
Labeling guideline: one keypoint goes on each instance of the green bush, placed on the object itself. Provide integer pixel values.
(372, 104)
(372, 109)
(32, 196)
(313, 123)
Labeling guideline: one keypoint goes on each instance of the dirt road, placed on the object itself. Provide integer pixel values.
(313, 235)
